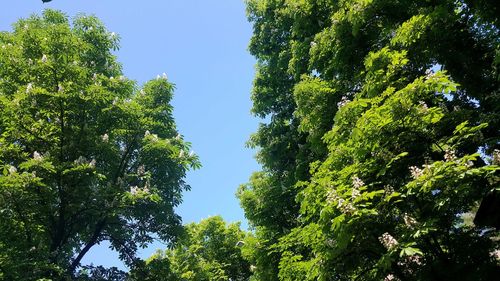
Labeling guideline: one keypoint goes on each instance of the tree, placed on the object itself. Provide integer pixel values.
(209, 250)
(382, 138)
(87, 156)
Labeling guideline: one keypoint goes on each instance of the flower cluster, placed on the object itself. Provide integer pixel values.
(12, 170)
(409, 220)
(416, 172)
(37, 156)
(388, 241)
(496, 157)
(105, 138)
(344, 206)
(390, 277)
(449, 155)
(423, 105)
(343, 101)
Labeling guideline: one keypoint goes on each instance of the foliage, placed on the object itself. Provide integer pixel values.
(209, 250)
(86, 155)
(382, 123)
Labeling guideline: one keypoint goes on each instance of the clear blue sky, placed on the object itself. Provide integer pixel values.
(202, 46)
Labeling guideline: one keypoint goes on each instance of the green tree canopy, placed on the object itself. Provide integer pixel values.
(87, 156)
(208, 251)
(382, 133)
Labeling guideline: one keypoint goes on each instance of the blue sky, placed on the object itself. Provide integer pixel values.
(202, 46)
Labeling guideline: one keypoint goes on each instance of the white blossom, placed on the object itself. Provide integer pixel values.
(388, 241)
(113, 34)
(449, 155)
(423, 105)
(12, 170)
(313, 44)
(80, 160)
(496, 157)
(357, 182)
(496, 254)
(178, 137)
(147, 133)
(343, 101)
(134, 190)
(390, 277)
(469, 164)
(164, 76)
(416, 172)
(142, 93)
(44, 58)
(181, 153)
(409, 220)
(29, 87)
(37, 156)
(60, 88)
(105, 138)
(92, 163)
(141, 170)
(388, 189)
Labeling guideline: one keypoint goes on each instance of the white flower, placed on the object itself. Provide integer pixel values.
(44, 58)
(37, 156)
(142, 93)
(60, 88)
(416, 172)
(496, 157)
(409, 221)
(469, 164)
(105, 138)
(141, 170)
(29, 87)
(92, 163)
(134, 190)
(357, 182)
(423, 105)
(496, 254)
(343, 101)
(30, 61)
(147, 133)
(390, 277)
(388, 241)
(94, 76)
(164, 76)
(181, 153)
(313, 44)
(415, 259)
(113, 34)
(178, 137)
(12, 170)
(80, 160)
(121, 78)
(388, 190)
(111, 78)
(449, 155)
